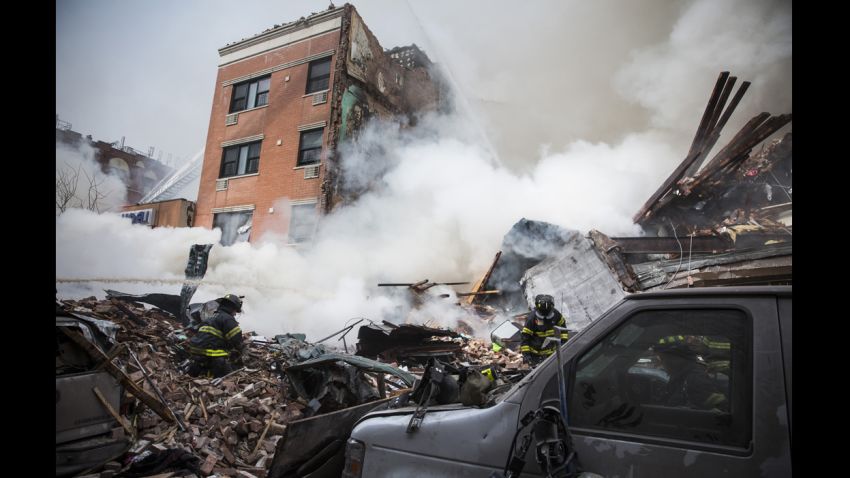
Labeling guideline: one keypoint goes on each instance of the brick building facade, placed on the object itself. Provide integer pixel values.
(284, 100)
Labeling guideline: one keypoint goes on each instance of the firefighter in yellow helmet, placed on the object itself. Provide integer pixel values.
(540, 324)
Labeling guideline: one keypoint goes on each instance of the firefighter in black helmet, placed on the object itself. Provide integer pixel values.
(540, 324)
(217, 339)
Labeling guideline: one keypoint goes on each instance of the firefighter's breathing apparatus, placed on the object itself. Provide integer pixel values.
(549, 433)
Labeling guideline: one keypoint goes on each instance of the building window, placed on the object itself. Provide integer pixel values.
(674, 374)
(250, 94)
(240, 159)
(119, 167)
(235, 226)
(319, 75)
(310, 149)
(303, 222)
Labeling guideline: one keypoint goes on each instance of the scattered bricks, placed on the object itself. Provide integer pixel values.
(136, 376)
(225, 471)
(230, 436)
(105, 309)
(148, 421)
(209, 463)
(255, 425)
(242, 429)
(261, 463)
(276, 429)
(228, 455)
(269, 446)
(200, 442)
(245, 474)
(176, 396)
(213, 422)
(195, 430)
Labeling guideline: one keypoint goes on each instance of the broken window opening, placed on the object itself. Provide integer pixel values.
(302, 224)
(235, 226)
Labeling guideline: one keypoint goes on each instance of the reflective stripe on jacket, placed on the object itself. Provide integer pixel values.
(217, 336)
(533, 334)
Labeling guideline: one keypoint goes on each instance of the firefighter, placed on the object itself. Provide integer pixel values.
(218, 339)
(540, 324)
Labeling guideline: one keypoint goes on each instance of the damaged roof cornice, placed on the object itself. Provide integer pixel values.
(283, 30)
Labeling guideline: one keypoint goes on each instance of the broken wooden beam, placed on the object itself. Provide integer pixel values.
(482, 283)
(146, 398)
(118, 418)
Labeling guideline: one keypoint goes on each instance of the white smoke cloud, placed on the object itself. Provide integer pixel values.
(434, 202)
(673, 79)
(80, 183)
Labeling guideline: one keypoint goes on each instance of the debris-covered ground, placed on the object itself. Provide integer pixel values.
(231, 426)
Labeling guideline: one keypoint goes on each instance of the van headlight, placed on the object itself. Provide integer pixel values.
(354, 452)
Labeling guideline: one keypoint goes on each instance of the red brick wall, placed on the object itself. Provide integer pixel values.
(286, 110)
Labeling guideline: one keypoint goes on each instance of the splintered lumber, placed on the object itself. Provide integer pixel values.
(112, 412)
(158, 407)
(483, 281)
(266, 430)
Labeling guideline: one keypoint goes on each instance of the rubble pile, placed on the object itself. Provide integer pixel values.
(232, 423)
(478, 352)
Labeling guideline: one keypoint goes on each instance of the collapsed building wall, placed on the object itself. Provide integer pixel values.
(370, 82)
(580, 281)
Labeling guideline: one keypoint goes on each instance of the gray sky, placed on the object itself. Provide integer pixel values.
(536, 75)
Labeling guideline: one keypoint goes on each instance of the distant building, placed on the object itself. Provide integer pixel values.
(170, 213)
(284, 100)
(138, 172)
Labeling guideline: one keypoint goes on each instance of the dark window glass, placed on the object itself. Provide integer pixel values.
(679, 374)
(240, 159)
(240, 97)
(250, 94)
(310, 150)
(319, 75)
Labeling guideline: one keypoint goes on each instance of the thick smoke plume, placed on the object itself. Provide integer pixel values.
(80, 183)
(434, 202)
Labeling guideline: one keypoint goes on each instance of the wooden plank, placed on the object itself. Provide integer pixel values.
(109, 358)
(483, 282)
(266, 430)
(146, 398)
(112, 412)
